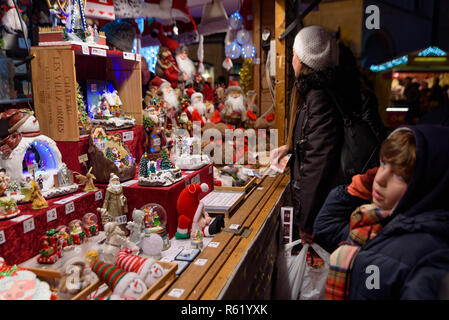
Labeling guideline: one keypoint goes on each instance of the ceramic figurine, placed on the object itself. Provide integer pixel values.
(38, 200)
(87, 181)
(147, 269)
(137, 226)
(126, 285)
(115, 202)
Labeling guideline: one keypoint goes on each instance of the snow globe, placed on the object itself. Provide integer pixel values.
(90, 224)
(76, 231)
(155, 221)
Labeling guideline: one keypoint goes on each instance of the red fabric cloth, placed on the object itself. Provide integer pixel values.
(20, 247)
(70, 151)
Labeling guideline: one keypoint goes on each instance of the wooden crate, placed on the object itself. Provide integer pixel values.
(57, 70)
(152, 293)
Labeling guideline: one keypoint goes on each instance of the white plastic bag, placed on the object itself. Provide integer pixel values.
(305, 282)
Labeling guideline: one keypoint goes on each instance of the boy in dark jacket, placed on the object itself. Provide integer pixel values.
(387, 246)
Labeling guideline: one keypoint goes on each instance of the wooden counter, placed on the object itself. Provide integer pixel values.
(241, 266)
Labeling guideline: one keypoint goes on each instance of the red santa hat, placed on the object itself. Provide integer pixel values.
(117, 279)
(126, 260)
(186, 206)
(190, 92)
(167, 42)
(156, 82)
(15, 118)
(234, 86)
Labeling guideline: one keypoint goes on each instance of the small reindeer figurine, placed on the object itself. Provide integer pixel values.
(88, 181)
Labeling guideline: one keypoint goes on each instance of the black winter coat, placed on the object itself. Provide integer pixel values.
(409, 250)
(317, 140)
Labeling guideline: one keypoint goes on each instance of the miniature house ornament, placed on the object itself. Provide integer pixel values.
(26, 153)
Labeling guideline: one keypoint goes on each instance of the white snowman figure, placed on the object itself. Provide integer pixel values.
(126, 285)
(115, 239)
(26, 141)
(137, 226)
(147, 269)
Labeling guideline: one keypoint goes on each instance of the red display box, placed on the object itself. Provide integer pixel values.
(17, 244)
(71, 151)
(138, 196)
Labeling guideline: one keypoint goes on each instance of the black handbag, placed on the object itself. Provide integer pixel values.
(360, 147)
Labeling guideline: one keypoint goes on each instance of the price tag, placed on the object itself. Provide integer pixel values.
(234, 226)
(85, 49)
(83, 158)
(196, 179)
(137, 57)
(128, 136)
(98, 195)
(128, 56)
(28, 225)
(176, 293)
(121, 220)
(69, 208)
(93, 87)
(200, 262)
(214, 244)
(256, 61)
(99, 52)
(51, 215)
(157, 141)
(2, 237)
(21, 218)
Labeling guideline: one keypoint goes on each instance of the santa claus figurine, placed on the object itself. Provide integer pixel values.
(155, 134)
(185, 65)
(198, 105)
(167, 68)
(170, 104)
(192, 216)
(115, 203)
(235, 104)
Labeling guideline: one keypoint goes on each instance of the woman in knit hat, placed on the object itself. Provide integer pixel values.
(315, 130)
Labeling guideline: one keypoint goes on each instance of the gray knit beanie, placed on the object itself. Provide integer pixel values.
(315, 48)
(120, 34)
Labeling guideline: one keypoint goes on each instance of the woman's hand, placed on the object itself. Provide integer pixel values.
(277, 154)
(305, 237)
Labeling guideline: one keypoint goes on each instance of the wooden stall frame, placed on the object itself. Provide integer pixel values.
(280, 83)
(195, 280)
(54, 77)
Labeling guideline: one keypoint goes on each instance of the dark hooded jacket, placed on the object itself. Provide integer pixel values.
(316, 147)
(414, 236)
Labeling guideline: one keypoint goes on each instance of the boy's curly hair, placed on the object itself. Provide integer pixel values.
(399, 150)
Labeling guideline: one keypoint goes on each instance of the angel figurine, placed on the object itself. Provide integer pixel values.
(38, 200)
(88, 181)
